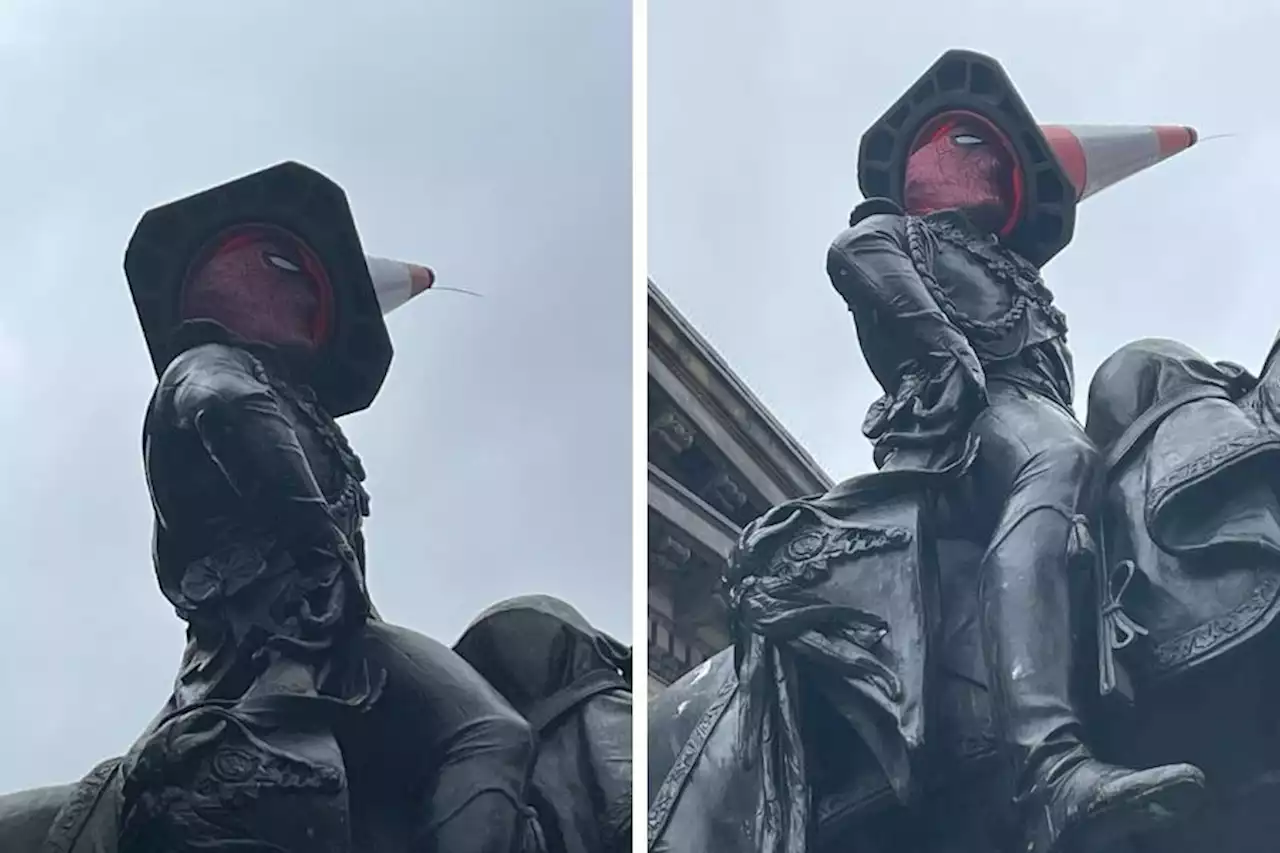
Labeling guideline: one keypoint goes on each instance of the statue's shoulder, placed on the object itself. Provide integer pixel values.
(887, 209)
(873, 219)
(207, 374)
(207, 361)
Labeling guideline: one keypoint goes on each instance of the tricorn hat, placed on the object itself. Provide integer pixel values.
(1060, 165)
(356, 354)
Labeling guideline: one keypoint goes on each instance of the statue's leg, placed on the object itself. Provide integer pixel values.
(1040, 475)
(465, 752)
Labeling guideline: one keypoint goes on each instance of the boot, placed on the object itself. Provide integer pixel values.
(1069, 802)
(1082, 805)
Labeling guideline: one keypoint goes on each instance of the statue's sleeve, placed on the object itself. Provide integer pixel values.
(217, 391)
(871, 267)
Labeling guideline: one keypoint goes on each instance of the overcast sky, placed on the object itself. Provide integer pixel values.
(754, 123)
(490, 139)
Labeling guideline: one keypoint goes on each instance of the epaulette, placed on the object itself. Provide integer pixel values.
(873, 206)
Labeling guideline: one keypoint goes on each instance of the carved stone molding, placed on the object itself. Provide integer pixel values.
(724, 493)
(672, 651)
(667, 553)
(665, 666)
(672, 430)
(717, 458)
(697, 521)
(717, 404)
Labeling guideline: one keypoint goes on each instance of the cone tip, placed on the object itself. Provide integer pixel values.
(1174, 138)
(420, 278)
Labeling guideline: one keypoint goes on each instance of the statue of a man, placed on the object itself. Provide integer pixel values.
(967, 199)
(264, 322)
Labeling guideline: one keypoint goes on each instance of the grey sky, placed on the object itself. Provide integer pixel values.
(754, 123)
(490, 139)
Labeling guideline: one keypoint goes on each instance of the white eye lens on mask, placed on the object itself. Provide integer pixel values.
(966, 139)
(280, 263)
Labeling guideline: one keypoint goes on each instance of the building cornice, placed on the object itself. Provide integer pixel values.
(717, 459)
(688, 370)
(687, 512)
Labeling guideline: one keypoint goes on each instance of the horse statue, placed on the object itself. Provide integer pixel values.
(855, 697)
(571, 681)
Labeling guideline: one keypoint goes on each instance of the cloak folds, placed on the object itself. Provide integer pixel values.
(1191, 519)
(828, 591)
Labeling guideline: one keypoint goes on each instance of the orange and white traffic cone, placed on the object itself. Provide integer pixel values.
(396, 282)
(1098, 156)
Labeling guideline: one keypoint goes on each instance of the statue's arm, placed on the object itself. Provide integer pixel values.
(871, 267)
(215, 390)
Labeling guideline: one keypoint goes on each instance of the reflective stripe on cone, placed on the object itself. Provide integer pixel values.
(1097, 156)
(396, 282)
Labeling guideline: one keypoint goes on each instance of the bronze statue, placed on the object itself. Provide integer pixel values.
(940, 268)
(929, 657)
(572, 683)
(300, 720)
(264, 322)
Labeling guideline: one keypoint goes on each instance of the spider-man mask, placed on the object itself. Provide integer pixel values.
(963, 162)
(264, 285)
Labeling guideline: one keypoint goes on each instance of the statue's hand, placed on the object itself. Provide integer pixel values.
(326, 559)
(945, 349)
(951, 399)
(935, 402)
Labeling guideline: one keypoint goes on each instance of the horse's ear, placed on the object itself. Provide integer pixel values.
(1240, 380)
(617, 655)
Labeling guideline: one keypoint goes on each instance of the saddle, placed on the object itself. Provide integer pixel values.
(849, 608)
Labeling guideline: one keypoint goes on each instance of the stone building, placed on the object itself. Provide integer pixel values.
(717, 460)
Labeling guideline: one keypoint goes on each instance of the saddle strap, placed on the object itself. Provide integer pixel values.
(664, 800)
(1148, 420)
(598, 681)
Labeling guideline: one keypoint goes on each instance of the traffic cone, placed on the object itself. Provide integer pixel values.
(310, 208)
(1087, 158)
(396, 282)
(1098, 156)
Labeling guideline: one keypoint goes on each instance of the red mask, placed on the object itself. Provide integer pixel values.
(963, 162)
(265, 286)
